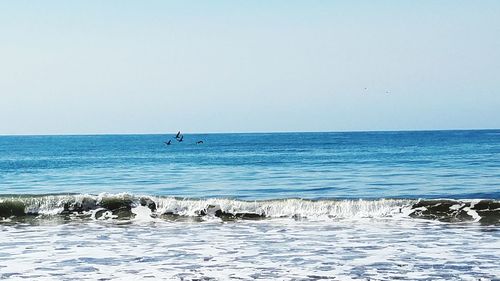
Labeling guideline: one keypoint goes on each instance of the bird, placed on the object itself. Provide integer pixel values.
(199, 142)
(178, 135)
(168, 142)
(180, 139)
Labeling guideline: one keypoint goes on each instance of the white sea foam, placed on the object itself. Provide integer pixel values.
(278, 249)
(142, 214)
(287, 208)
(298, 208)
(128, 206)
(472, 212)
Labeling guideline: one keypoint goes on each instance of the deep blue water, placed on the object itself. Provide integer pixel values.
(432, 164)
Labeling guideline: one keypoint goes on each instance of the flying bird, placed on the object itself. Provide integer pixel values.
(178, 135)
(169, 142)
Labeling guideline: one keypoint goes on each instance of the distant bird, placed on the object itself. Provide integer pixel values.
(387, 92)
(199, 142)
(178, 135)
(180, 139)
(169, 142)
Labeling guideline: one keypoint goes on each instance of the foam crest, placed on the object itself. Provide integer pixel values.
(299, 208)
(126, 206)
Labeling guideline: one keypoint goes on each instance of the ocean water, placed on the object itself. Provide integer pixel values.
(277, 206)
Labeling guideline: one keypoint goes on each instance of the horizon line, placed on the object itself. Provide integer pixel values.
(251, 132)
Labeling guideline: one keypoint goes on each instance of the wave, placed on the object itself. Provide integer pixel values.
(126, 206)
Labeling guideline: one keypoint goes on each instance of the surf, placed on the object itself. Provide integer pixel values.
(127, 206)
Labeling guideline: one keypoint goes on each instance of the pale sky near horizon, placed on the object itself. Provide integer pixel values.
(84, 67)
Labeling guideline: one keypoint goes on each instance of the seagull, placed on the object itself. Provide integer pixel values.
(199, 142)
(178, 135)
(168, 142)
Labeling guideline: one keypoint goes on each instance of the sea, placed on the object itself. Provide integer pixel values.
(406, 205)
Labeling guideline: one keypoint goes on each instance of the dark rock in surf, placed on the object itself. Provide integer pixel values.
(85, 205)
(489, 211)
(12, 208)
(230, 216)
(219, 213)
(169, 216)
(123, 213)
(442, 210)
(435, 205)
(119, 206)
(99, 213)
(487, 205)
(148, 202)
(489, 217)
(457, 211)
(115, 203)
(210, 210)
(215, 210)
(252, 216)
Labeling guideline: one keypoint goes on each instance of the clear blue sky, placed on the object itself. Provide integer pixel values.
(80, 67)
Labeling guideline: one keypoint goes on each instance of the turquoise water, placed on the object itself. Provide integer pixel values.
(433, 164)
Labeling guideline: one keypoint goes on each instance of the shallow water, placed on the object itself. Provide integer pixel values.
(279, 249)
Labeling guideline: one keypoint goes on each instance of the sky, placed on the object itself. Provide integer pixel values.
(108, 67)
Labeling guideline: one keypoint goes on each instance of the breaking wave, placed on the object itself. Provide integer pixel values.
(126, 206)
